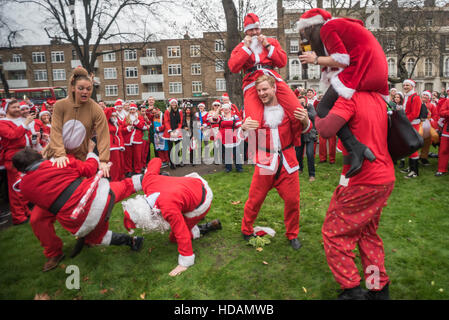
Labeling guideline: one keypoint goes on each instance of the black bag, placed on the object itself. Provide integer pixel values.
(423, 113)
(403, 139)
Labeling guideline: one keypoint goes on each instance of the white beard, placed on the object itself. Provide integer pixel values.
(256, 46)
(273, 116)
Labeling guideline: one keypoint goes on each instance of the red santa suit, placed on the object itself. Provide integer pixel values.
(348, 42)
(412, 102)
(46, 179)
(14, 137)
(443, 154)
(134, 142)
(256, 62)
(276, 167)
(182, 202)
(117, 148)
(356, 205)
(45, 127)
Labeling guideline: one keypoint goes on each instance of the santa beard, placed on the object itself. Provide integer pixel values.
(256, 46)
(273, 116)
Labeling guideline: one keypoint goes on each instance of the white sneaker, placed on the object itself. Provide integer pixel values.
(411, 175)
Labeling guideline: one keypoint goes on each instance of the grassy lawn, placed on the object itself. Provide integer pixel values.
(414, 228)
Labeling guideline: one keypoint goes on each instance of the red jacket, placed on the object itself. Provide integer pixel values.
(444, 113)
(115, 131)
(412, 108)
(133, 133)
(244, 59)
(14, 136)
(228, 130)
(167, 125)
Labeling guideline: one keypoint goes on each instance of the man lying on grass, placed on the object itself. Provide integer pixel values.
(58, 191)
(180, 201)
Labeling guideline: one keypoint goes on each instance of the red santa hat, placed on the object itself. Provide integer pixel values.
(23, 105)
(225, 95)
(133, 106)
(410, 82)
(201, 104)
(251, 21)
(51, 101)
(172, 100)
(44, 111)
(313, 17)
(216, 102)
(128, 222)
(118, 103)
(297, 92)
(427, 93)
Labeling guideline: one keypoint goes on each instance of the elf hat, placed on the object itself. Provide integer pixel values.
(313, 17)
(251, 21)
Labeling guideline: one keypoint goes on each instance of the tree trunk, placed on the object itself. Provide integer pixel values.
(5, 84)
(233, 38)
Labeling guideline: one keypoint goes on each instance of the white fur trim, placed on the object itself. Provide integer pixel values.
(196, 232)
(107, 238)
(247, 50)
(304, 23)
(268, 230)
(186, 261)
(207, 202)
(344, 181)
(136, 182)
(151, 199)
(410, 82)
(270, 53)
(342, 58)
(308, 126)
(96, 209)
(251, 26)
(92, 155)
(341, 89)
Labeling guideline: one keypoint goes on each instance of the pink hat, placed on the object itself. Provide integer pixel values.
(313, 17)
(251, 21)
(410, 82)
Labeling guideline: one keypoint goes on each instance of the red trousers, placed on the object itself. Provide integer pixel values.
(145, 150)
(190, 222)
(285, 96)
(117, 171)
(18, 206)
(163, 154)
(287, 186)
(352, 220)
(443, 154)
(323, 149)
(42, 221)
(133, 158)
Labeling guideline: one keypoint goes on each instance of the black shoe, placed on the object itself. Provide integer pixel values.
(401, 164)
(210, 226)
(356, 293)
(405, 170)
(121, 239)
(433, 155)
(181, 165)
(172, 166)
(357, 153)
(440, 174)
(295, 243)
(248, 237)
(383, 294)
(425, 162)
(137, 243)
(227, 170)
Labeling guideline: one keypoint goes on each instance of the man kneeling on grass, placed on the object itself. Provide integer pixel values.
(58, 191)
(180, 201)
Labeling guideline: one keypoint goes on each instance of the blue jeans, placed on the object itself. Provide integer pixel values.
(310, 157)
(232, 156)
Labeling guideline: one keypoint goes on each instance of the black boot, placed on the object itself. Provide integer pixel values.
(357, 151)
(356, 293)
(383, 294)
(401, 164)
(210, 226)
(120, 239)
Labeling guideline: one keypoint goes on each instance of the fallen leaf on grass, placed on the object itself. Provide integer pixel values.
(304, 289)
(259, 249)
(150, 249)
(62, 266)
(264, 262)
(86, 279)
(103, 291)
(394, 250)
(142, 296)
(41, 296)
(177, 296)
(236, 202)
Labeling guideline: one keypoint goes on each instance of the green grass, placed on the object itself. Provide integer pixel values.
(414, 228)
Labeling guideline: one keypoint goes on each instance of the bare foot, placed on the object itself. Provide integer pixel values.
(178, 270)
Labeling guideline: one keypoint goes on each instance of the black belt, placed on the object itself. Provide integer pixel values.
(203, 197)
(64, 196)
(281, 161)
(258, 67)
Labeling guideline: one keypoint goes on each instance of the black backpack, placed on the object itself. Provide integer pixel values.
(423, 113)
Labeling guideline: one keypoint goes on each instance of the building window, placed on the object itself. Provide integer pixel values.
(175, 87)
(446, 68)
(109, 57)
(174, 52)
(428, 66)
(294, 46)
(132, 89)
(295, 69)
(219, 45)
(58, 74)
(57, 56)
(220, 84)
(429, 22)
(110, 73)
(410, 67)
(74, 55)
(111, 90)
(38, 57)
(391, 67)
(196, 69)
(131, 55)
(197, 87)
(151, 52)
(195, 51)
(428, 86)
(16, 57)
(219, 65)
(174, 69)
(131, 72)
(391, 44)
(313, 72)
(40, 75)
(153, 88)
